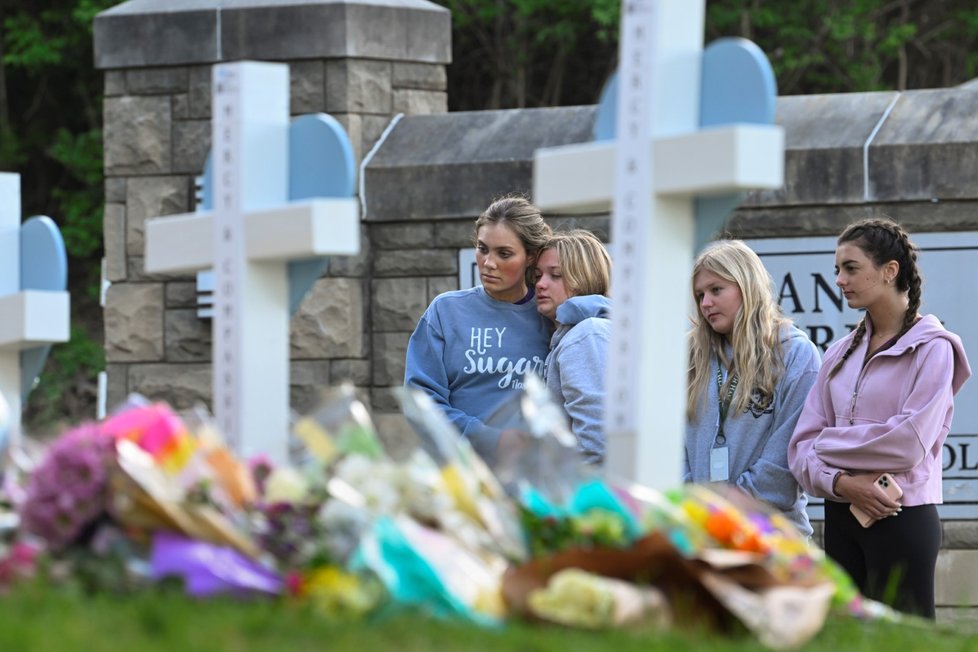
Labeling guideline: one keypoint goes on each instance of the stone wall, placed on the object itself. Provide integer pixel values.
(354, 60)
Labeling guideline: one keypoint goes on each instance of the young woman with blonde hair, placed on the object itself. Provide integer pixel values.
(750, 371)
(573, 277)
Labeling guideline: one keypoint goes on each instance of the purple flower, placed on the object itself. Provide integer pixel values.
(68, 490)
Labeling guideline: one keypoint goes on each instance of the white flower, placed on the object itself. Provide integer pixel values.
(285, 485)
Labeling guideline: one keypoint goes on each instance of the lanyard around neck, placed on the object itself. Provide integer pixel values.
(724, 403)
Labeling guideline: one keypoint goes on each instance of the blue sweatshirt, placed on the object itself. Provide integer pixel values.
(576, 369)
(470, 352)
(757, 441)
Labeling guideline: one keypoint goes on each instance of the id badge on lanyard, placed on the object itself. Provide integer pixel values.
(720, 454)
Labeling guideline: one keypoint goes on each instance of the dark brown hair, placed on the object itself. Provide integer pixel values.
(884, 240)
(526, 222)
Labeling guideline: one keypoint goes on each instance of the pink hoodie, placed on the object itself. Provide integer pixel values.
(893, 414)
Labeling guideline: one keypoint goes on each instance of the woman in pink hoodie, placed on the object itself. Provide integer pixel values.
(882, 403)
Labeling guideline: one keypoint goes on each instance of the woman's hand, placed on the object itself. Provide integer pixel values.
(861, 491)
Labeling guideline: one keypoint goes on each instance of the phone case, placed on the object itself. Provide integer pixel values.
(886, 484)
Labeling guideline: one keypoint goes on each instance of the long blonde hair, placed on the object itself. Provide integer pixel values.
(758, 360)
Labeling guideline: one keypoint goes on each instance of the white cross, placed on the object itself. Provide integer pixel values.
(30, 318)
(660, 162)
(248, 239)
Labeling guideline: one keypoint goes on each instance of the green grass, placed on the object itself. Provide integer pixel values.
(32, 618)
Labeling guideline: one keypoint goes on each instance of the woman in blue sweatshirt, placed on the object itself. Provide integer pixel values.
(472, 348)
(750, 371)
(573, 278)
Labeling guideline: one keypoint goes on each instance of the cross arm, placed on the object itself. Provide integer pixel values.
(32, 318)
(179, 243)
(302, 229)
(580, 178)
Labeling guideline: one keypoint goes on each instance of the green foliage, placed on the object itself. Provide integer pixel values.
(50, 132)
(81, 156)
(520, 53)
(832, 46)
(67, 388)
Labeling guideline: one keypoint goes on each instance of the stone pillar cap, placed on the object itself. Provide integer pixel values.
(142, 33)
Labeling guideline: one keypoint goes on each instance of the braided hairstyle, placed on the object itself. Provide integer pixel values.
(884, 240)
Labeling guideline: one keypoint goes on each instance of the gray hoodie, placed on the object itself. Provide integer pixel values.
(575, 368)
(757, 440)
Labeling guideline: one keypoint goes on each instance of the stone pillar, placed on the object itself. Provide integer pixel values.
(362, 61)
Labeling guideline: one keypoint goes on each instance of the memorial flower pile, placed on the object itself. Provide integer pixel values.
(352, 529)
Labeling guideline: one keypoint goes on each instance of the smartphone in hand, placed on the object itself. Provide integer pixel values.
(888, 486)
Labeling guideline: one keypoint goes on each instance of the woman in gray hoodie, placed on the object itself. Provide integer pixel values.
(573, 275)
(750, 371)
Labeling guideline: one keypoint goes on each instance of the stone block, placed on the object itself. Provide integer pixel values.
(384, 399)
(956, 583)
(191, 142)
(148, 197)
(396, 236)
(358, 86)
(792, 221)
(117, 385)
(452, 165)
(137, 135)
(115, 189)
(922, 171)
(180, 106)
(354, 370)
(441, 284)
(307, 87)
(187, 337)
(133, 35)
(424, 76)
(141, 34)
(133, 320)
(396, 434)
(329, 321)
(199, 92)
(457, 233)
(353, 126)
(416, 262)
(115, 83)
(156, 81)
(413, 32)
(397, 303)
(114, 241)
(776, 221)
(388, 352)
(372, 129)
(352, 265)
(963, 620)
(137, 272)
(307, 380)
(960, 534)
(418, 102)
(183, 386)
(181, 294)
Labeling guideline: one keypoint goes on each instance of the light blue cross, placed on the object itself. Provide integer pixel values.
(685, 132)
(251, 238)
(34, 303)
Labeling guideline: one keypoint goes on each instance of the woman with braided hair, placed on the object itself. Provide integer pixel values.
(882, 403)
